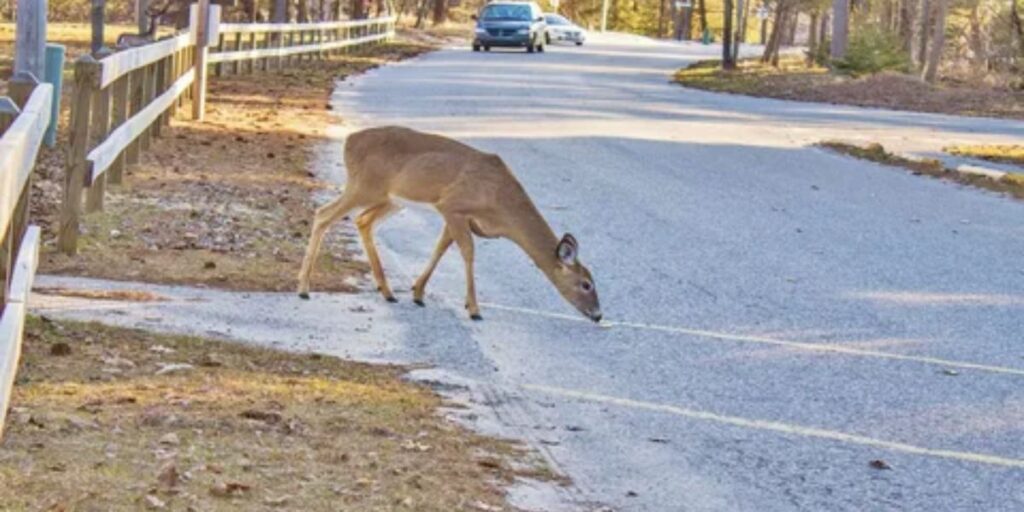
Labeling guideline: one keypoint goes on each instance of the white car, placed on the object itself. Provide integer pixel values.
(561, 29)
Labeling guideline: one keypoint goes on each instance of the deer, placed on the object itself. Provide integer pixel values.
(475, 193)
(128, 40)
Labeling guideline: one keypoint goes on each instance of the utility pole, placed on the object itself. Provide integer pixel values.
(96, 16)
(604, 15)
(30, 38)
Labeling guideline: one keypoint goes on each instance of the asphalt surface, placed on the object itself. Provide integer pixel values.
(780, 316)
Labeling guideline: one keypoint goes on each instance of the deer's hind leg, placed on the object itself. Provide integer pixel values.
(365, 223)
(325, 216)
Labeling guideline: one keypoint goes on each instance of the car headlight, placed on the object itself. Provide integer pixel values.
(481, 30)
(523, 31)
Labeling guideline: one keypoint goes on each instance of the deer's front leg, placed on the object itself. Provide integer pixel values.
(419, 288)
(459, 231)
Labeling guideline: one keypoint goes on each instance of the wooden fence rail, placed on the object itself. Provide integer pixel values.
(19, 146)
(122, 100)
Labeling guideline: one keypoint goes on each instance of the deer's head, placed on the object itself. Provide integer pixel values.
(573, 280)
(155, 11)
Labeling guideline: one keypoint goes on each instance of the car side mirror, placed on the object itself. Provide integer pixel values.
(539, 18)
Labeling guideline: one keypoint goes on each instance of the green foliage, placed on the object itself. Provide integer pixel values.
(871, 51)
(822, 54)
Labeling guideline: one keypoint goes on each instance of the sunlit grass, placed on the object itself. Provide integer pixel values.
(1006, 153)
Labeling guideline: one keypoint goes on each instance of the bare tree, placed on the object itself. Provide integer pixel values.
(931, 67)
(1018, 26)
(440, 11)
(922, 46)
(728, 60)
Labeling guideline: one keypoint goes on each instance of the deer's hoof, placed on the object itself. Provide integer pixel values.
(304, 295)
(391, 299)
(419, 302)
(476, 317)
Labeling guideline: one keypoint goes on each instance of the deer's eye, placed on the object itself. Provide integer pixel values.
(586, 286)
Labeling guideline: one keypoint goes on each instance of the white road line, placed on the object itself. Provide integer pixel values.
(813, 347)
(782, 428)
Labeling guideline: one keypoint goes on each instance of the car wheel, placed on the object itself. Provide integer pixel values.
(579, 43)
(530, 47)
(476, 47)
(487, 48)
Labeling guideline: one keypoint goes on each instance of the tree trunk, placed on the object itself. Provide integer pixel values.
(661, 19)
(812, 39)
(358, 11)
(303, 11)
(440, 11)
(1018, 26)
(280, 11)
(976, 41)
(703, 11)
(421, 12)
(771, 48)
(931, 68)
(792, 25)
(840, 28)
(823, 29)
(906, 25)
(741, 29)
(922, 47)
(727, 58)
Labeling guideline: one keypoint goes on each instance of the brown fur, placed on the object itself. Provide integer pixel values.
(474, 192)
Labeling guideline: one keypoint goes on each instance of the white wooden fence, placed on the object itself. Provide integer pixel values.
(122, 101)
(19, 146)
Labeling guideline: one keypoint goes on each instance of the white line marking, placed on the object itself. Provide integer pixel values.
(813, 347)
(783, 428)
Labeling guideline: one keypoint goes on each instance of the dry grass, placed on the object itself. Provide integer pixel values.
(792, 80)
(1011, 184)
(1009, 153)
(226, 202)
(95, 425)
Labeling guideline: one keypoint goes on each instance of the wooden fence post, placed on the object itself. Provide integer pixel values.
(100, 129)
(8, 113)
(201, 26)
(148, 83)
(119, 100)
(86, 78)
(135, 88)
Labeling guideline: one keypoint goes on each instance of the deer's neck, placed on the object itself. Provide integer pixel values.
(533, 234)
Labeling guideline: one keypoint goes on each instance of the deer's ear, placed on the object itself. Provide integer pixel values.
(567, 249)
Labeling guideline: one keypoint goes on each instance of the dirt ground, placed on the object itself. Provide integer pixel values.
(794, 81)
(110, 419)
(226, 202)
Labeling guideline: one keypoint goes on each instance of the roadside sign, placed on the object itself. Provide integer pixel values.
(684, 4)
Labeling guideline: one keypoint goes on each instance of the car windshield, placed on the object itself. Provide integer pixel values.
(520, 12)
(554, 19)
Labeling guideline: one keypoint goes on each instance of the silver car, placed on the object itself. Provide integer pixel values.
(561, 29)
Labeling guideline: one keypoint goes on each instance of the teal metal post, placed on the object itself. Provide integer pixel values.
(55, 76)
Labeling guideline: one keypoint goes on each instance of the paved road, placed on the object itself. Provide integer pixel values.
(781, 316)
